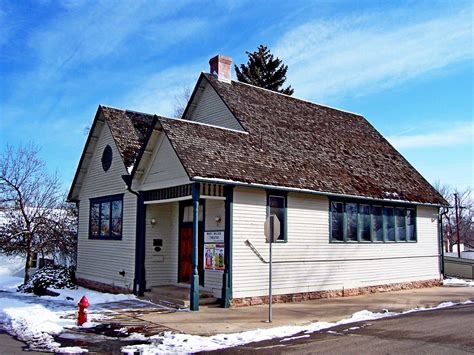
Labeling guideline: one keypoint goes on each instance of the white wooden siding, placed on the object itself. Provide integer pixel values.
(165, 170)
(212, 110)
(102, 260)
(162, 267)
(214, 208)
(311, 263)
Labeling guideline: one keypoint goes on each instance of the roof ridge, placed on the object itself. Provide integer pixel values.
(127, 110)
(291, 97)
(203, 124)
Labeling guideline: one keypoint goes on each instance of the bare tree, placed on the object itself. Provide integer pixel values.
(466, 215)
(181, 101)
(36, 218)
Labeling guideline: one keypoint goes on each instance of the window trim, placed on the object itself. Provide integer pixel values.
(373, 240)
(284, 195)
(100, 200)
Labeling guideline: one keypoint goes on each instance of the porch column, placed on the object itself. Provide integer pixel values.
(194, 295)
(139, 282)
(227, 276)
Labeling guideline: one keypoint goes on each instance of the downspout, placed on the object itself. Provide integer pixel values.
(139, 282)
(77, 203)
(441, 236)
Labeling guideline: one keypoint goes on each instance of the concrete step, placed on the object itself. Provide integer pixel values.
(177, 297)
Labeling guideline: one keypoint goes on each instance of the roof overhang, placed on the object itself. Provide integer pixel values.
(308, 191)
(86, 157)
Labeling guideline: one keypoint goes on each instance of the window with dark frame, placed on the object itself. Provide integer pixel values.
(277, 206)
(105, 218)
(362, 222)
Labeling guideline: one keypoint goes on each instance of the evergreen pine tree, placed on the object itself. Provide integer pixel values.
(263, 70)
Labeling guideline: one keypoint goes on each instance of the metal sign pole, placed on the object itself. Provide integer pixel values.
(270, 286)
(272, 231)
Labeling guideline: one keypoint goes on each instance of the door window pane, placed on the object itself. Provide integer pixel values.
(351, 214)
(377, 223)
(188, 214)
(364, 223)
(389, 223)
(337, 221)
(400, 224)
(411, 225)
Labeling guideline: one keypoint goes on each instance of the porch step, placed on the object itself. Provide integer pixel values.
(178, 296)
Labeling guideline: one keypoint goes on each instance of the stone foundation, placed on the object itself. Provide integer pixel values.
(304, 296)
(102, 287)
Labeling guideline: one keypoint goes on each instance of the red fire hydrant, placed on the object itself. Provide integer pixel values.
(82, 313)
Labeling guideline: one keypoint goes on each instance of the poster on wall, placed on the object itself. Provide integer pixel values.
(214, 257)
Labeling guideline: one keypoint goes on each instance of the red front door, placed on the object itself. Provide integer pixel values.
(186, 250)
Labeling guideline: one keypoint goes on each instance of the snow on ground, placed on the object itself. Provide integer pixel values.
(11, 265)
(464, 254)
(458, 282)
(35, 320)
(185, 343)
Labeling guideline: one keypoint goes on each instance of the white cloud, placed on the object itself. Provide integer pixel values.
(158, 93)
(456, 135)
(358, 55)
(84, 34)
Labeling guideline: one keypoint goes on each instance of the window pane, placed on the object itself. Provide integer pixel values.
(105, 219)
(411, 225)
(351, 213)
(377, 223)
(277, 208)
(337, 221)
(94, 222)
(116, 227)
(400, 224)
(364, 223)
(117, 209)
(389, 223)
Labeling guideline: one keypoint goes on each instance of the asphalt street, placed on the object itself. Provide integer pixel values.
(442, 331)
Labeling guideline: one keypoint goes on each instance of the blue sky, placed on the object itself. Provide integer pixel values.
(407, 66)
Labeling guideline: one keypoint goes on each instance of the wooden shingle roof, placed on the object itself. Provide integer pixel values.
(130, 130)
(296, 144)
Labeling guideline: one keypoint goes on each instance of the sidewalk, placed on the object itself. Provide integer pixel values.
(212, 320)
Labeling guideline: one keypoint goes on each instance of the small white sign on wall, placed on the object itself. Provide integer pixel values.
(214, 237)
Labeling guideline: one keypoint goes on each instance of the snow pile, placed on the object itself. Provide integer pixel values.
(185, 343)
(458, 282)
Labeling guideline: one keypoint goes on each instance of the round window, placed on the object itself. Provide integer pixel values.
(107, 158)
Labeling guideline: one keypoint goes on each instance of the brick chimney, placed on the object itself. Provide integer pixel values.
(220, 67)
